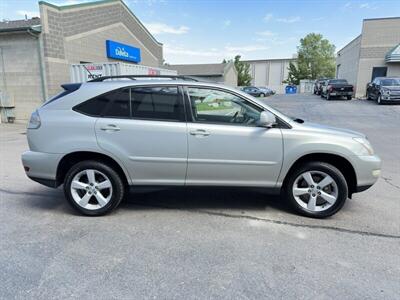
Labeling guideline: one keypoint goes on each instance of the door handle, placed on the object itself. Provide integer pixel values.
(110, 127)
(201, 132)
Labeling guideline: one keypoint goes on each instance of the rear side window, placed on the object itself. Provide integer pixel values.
(157, 103)
(119, 104)
(93, 107)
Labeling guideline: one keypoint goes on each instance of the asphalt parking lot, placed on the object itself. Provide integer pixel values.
(214, 244)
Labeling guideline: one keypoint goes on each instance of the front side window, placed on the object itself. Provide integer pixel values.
(215, 106)
(157, 103)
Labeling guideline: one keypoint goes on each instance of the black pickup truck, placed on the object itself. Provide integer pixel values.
(337, 88)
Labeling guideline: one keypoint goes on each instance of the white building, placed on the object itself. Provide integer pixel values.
(270, 73)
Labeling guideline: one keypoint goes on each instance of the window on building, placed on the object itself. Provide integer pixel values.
(157, 103)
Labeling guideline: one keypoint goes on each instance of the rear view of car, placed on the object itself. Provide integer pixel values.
(337, 88)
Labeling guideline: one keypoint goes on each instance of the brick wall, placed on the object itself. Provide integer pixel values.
(78, 33)
(21, 66)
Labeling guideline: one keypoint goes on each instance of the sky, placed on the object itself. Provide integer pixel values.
(208, 31)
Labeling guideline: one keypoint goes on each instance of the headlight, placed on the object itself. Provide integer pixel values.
(368, 150)
(34, 122)
(386, 92)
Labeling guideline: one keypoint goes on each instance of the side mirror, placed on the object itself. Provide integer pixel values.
(267, 119)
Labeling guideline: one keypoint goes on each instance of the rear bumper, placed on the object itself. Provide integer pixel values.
(41, 167)
(368, 170)
(339, 93)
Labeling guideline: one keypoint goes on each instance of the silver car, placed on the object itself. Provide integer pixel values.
(99, 137)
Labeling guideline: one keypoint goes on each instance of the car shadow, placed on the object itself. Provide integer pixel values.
(245, 199)
(204, 198)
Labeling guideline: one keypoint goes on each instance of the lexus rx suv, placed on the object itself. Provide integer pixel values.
(101, 137)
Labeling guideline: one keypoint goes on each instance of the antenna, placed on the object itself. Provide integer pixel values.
(91, 75)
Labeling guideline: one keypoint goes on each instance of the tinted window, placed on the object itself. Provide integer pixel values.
(119, 104)
(214, 106)
(157, 103)
(338, 81)
(93, 107)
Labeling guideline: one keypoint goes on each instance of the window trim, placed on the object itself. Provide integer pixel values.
(180, 99)
(280, 123)
(183, 117)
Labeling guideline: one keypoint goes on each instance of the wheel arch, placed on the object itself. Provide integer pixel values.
(72, 158)
(341, 163)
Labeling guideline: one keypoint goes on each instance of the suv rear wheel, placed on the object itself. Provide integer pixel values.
(93, 188)
(316, 189)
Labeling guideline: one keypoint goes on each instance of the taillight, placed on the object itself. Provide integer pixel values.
(34, 122)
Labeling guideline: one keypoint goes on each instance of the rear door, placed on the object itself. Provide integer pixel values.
(225, 145)
(145, 127)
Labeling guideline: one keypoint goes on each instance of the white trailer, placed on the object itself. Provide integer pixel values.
(85, 72)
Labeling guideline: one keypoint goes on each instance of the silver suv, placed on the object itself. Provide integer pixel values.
(99, 137)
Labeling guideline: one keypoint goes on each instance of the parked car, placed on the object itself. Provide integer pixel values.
(318, 85)
(101, 137)
(254, 91)
(384, 89)
(336, 88)
(268, 91)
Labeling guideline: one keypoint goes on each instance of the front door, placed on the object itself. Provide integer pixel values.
(145, 128)
(225, 145)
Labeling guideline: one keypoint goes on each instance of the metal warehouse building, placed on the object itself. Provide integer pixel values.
(270, 72)
(374, 53)
(36, 54)
(225, 73)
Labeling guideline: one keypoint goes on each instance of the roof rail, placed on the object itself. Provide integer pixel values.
(133, 77)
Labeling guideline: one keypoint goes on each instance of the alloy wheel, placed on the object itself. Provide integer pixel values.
(315, 191)
(91, 189)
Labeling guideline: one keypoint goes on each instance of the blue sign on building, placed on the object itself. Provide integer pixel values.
(122, 52)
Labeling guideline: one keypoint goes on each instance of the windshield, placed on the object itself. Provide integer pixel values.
(390, 82)
(338, 81)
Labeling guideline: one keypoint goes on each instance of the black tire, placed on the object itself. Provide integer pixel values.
(118, 187)
(349, 97)
(323, 167)
(368, 96)
(262, 95)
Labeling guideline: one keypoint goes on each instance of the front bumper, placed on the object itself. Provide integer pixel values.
(368, 170)
(41, 167)
(391, 97)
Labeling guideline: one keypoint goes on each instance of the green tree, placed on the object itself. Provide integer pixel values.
(243, 70)
(315, 59)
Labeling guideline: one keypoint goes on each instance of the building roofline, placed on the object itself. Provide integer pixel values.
(349, 43)
(69, 6)
(387, 18)
(268, 59)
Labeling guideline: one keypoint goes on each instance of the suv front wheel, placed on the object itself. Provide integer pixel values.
(316, 189)
(93, 188)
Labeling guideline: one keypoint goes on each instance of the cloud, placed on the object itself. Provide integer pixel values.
(289, 20)
(168, 49)
(368, 6)
(227, 23)
(365, 5)
(268, 17)
(29, 14)
(246, 48)
(160, 28)
(266, 33)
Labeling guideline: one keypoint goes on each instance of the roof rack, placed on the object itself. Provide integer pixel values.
(133, 77)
